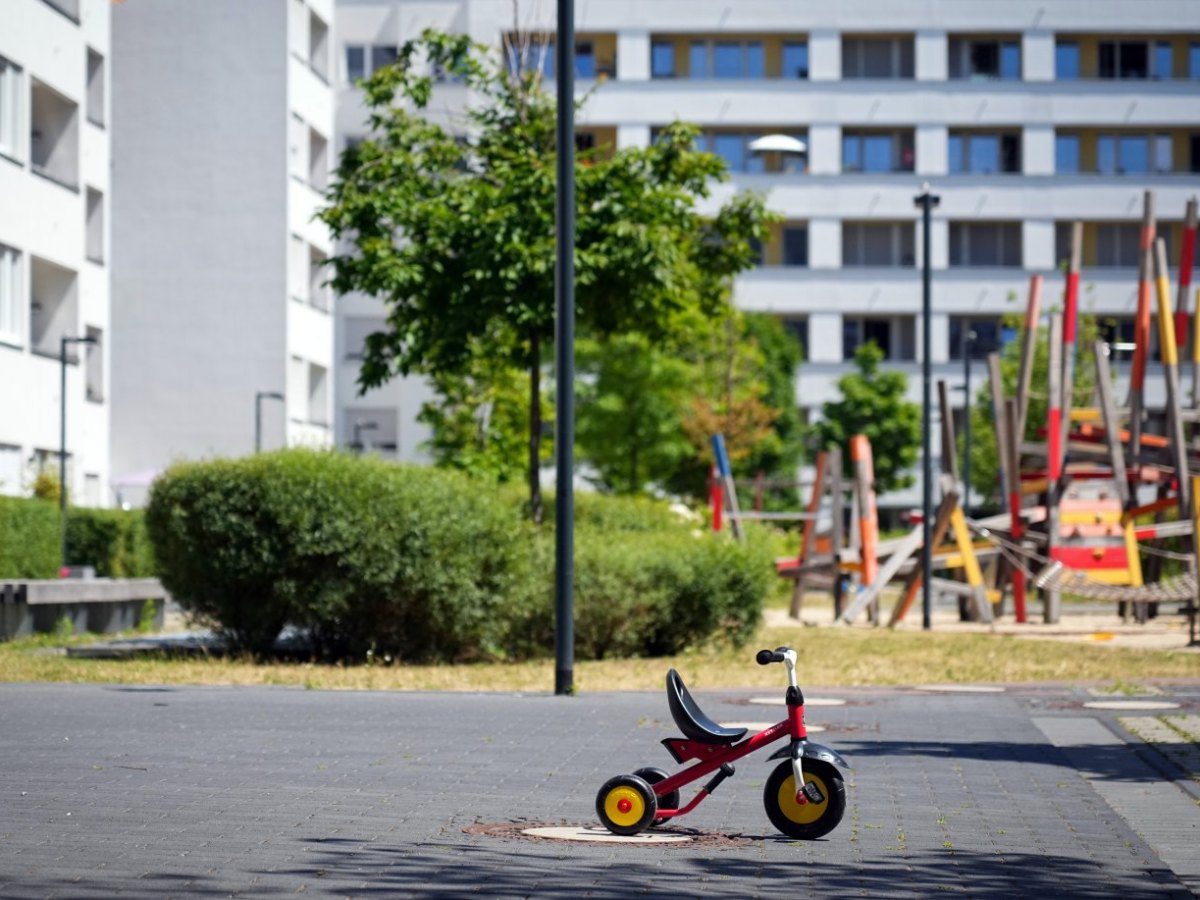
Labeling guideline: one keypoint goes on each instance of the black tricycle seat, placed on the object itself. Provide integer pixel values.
(691, 720)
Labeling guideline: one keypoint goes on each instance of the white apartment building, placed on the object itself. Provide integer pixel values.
(221, 152)
(1023, 115)
(54, 243)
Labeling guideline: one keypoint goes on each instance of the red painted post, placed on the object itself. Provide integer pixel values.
(1187, 259)
(715, 498)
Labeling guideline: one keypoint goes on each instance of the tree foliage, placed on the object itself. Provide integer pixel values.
(453, 227)
(873, 403)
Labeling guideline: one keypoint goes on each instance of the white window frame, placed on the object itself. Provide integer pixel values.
(13, 302)
(12, 109)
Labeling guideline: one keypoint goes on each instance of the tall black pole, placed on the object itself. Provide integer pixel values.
(967, 345)
(62, 450)
(927, 201)
(564, 358)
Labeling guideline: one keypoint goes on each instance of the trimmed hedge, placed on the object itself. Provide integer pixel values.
(427, 564)
(29, 538)
(113, 541)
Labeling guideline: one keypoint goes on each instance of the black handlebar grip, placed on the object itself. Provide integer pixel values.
(766, 657)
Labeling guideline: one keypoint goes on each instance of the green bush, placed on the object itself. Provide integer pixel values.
(427, 564)
(113, 541)
(417, 562)
(653, 595)
(29, 538)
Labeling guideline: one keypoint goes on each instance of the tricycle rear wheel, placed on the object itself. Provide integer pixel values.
(652, 775)
(626, 804)
(811, 820)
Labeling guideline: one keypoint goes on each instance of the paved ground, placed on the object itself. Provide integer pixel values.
(261, 792)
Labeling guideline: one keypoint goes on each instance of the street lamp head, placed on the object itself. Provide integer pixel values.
(269, 395)
(778, 143)
(927, 197)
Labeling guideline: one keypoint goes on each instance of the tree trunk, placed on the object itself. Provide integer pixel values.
(536, 510)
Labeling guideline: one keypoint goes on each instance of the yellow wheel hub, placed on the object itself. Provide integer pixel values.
(624, 806)
(809, 812)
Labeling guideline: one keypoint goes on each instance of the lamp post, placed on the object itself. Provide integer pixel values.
(968, 343)
(65, 340)
(259, 396)
(926, 200)
(360, 426)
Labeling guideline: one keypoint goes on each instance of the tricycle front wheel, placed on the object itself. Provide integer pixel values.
(807, 821)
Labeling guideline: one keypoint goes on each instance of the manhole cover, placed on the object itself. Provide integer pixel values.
(961, 688)
(1131, 704)
(658, 837)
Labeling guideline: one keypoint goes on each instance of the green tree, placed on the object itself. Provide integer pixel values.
(985, 460)
(781, 355)
(630, 419)
(873, 403)
(454, 228)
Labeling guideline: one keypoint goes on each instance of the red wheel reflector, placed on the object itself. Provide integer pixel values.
(624, 805)
(801, 800)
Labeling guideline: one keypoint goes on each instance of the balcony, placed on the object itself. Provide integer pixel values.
(729, 56)
(53, 135)
(1125, 57)
(595, 55)
(53, 306)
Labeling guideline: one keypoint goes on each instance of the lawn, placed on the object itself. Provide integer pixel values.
(829, 656)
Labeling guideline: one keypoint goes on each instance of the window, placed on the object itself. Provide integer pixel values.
(895, 336)
(372, 430)
(318, 394)
(1134, 154)
(94, 230)
(794, 59)
(1164, 61)
(877, 244)
(10, 108)
(356, 62)
(1124, 59)
(1066, 61)
(94, 365)
(536, 53)
(318, 46)
(888, 151)
(53, 306)
(662, 59)
(298, 262)
(985, 60)
(726, 59)
(982, 244)
(69, 8)
(383, 55)
(795, 245)
(12, 306)
(318, 160)
(1066, 154)
(1117, 245)
(297, 148)
(990, 336)
(355, 332)
(318, 291)
(53, 135)
(984, 154)
(1194, 61)
(95, 87)
(877, 58)
(1194, 152)
(11, 468)
(797, 327)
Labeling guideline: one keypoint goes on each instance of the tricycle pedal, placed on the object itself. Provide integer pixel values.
(811, 794)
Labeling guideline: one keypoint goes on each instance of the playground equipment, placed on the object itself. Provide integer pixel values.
(1092, 502)
(804, 796)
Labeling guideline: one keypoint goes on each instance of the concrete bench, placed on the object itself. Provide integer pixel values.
(100, 605)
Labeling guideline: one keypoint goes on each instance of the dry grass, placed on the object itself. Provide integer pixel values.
(829, 657)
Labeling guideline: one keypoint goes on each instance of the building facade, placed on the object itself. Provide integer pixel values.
(54, 244)
(1023, 115)
(221, 153)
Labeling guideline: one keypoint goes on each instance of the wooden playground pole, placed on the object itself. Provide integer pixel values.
(837, 536)
(949, 454)
(1170, 358)
(1051, 596)
(1070, 319)
(810, 532)
(868, 513)
(1141, 329)
(1028, 348)
(1187, 258)
(1017, 529)
(1112, 424)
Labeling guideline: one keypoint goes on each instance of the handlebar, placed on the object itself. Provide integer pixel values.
(766, 657)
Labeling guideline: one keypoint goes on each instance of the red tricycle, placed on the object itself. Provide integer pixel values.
(805, 796)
